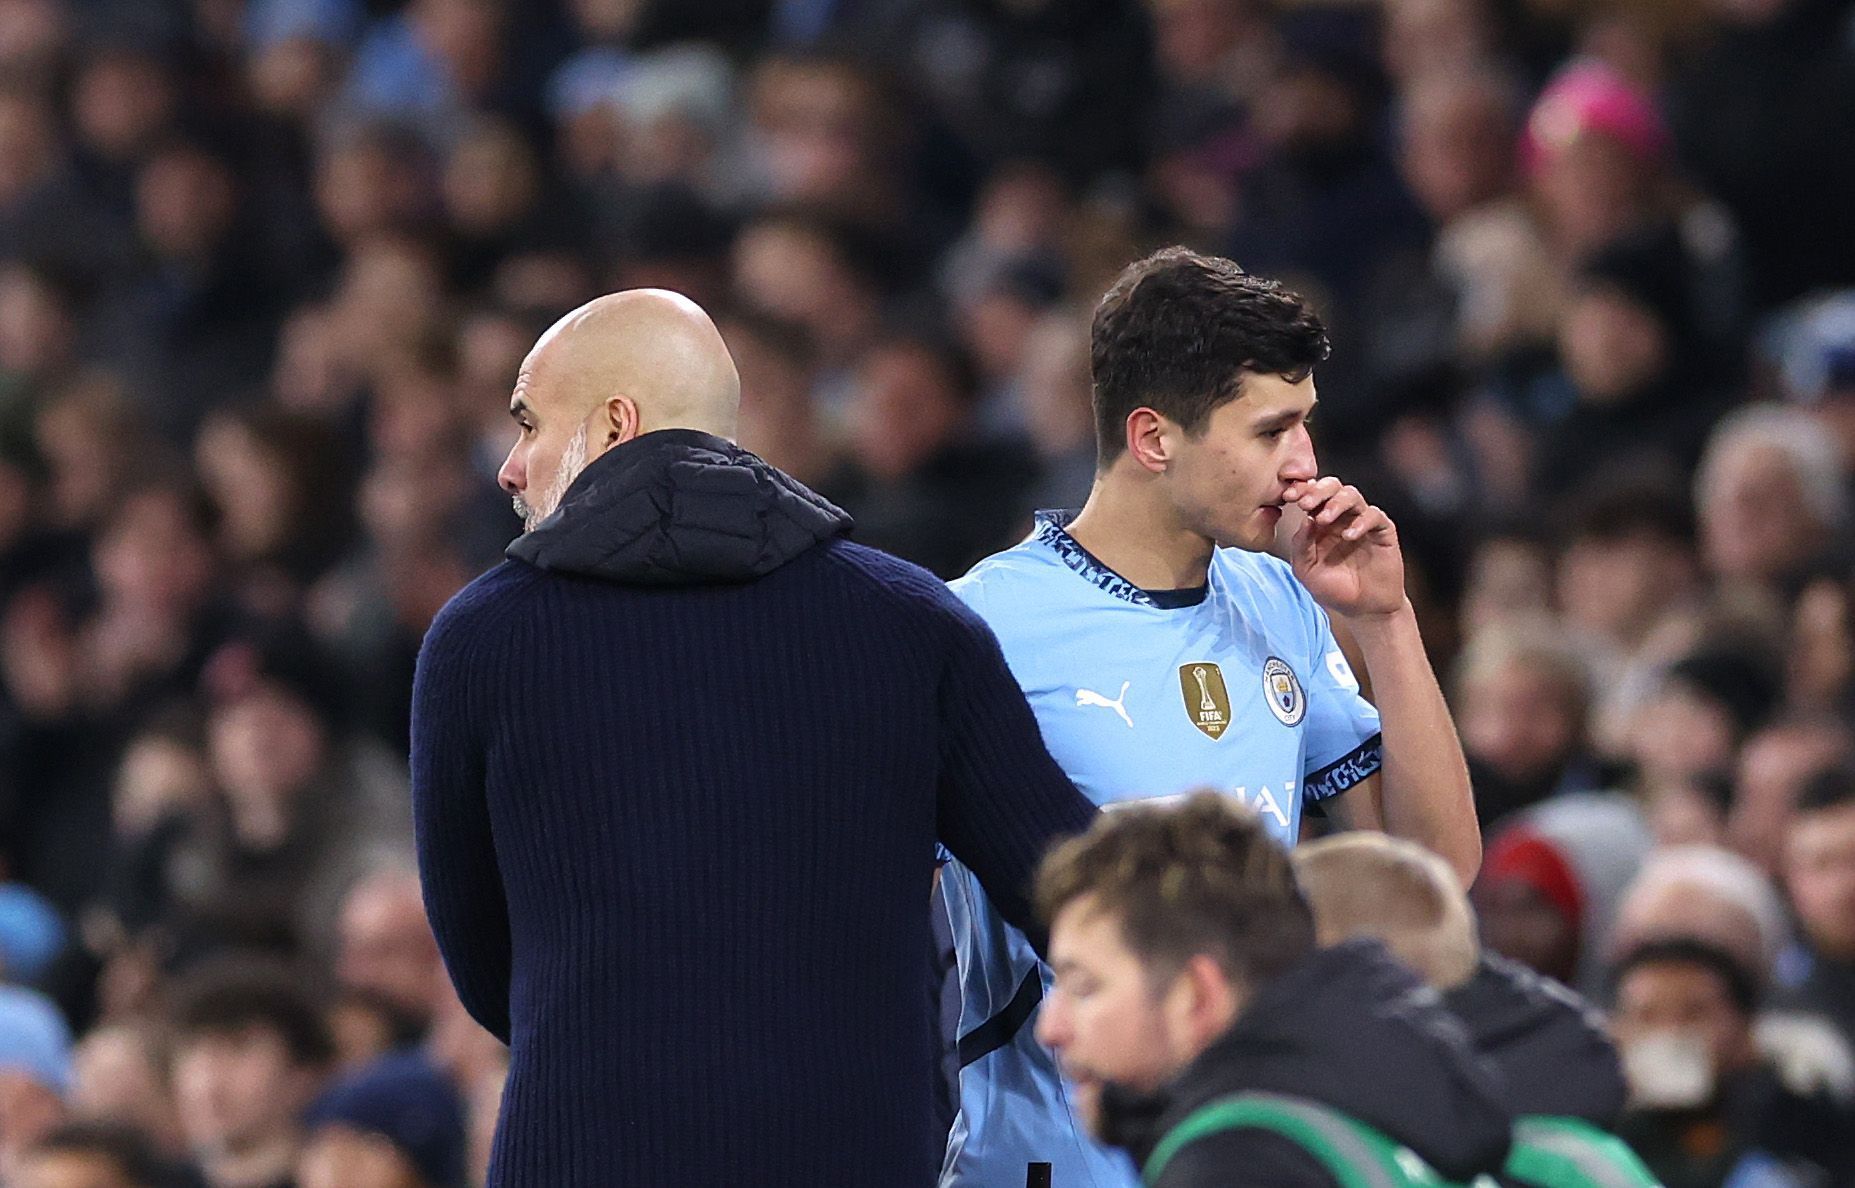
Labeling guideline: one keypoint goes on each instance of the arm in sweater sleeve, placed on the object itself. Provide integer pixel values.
(1003, 801)
(451, 824)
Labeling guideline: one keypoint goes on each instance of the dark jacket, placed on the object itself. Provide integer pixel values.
(1351, 1029)
(1827, 988)
(679, 766)
(1547, 1043)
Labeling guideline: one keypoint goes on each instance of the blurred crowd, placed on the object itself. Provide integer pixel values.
(267, 269)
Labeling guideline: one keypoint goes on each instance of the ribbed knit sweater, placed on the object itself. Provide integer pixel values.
(679, 766)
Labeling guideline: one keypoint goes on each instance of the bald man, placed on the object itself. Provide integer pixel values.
(679, 767)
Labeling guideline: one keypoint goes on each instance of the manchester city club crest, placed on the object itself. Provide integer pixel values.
(1282, 690)
(1207, 701)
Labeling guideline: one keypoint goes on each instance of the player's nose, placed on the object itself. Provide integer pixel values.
(1300, 465)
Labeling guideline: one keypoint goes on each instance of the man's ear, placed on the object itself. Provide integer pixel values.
(1149, 440)
(620, 422)
(1207, 1002)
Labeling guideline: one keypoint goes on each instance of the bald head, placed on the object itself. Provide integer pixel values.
(651, 346)
(1394, 891)
(619, 366)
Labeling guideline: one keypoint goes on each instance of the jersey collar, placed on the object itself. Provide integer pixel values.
(1052, 532)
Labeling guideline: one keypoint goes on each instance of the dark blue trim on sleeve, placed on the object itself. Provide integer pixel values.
(1346, 771)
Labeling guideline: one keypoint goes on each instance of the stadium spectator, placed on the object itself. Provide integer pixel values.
(1819, 872)
(121, 1078)
(1775, 766)
(780, 420)
(88, 1155)
(1705, 1105)
(920, 478)
(397, 1123)
(808, 269)
(1054, 389)
(35, 1073)
(250, 1053)
(1708, 894)
(1772, 497)
(1701, 712)
(1626, 559)
(1639, 391)
(385, 946)
(1524, 693)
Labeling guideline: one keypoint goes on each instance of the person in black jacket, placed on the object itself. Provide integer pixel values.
(679, 766)
(1187, 974)
(1560, 1074)
(1548, 1044)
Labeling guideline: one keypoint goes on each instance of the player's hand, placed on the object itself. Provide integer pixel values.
(1345, 551)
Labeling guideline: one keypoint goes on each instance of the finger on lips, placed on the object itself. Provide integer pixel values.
(1310, 496)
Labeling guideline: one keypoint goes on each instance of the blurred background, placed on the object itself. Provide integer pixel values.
(267, 268)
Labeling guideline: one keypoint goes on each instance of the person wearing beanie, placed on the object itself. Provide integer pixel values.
(1530, 904)
(1552, 881)
(1709, 894)
(35, 1072)
(1599, 160)
(397, 1123)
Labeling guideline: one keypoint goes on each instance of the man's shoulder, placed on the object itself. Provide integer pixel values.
(1026, 575)
(863, 568)
(900, 587)
(484, 603)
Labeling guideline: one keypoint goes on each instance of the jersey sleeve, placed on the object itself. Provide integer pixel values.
(1343, 743)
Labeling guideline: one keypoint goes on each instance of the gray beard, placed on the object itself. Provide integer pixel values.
(572, 462)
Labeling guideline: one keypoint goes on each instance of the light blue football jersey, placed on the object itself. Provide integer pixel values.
(1240, 688)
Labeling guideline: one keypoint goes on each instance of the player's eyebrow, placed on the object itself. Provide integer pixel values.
(1283, 420)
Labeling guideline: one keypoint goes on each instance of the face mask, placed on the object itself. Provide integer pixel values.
(1669, 1070)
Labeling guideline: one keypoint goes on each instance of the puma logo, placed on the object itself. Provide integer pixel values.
(1090, 697)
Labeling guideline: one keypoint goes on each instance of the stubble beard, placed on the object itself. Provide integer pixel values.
(572, 462)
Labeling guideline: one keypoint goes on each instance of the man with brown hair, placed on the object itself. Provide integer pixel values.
(1209, 1038)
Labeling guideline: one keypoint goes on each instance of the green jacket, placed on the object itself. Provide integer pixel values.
(1547, 1152)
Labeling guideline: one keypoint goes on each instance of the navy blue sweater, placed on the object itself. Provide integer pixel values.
(679, 766)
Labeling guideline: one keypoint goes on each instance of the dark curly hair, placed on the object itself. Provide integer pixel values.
(1177, 332)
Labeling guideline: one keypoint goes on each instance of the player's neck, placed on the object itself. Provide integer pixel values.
(1134, 532)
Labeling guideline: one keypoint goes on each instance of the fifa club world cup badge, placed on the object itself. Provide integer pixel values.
(1207, 701)
(1282, 689)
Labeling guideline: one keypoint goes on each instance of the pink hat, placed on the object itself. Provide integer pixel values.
(1588, 96)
